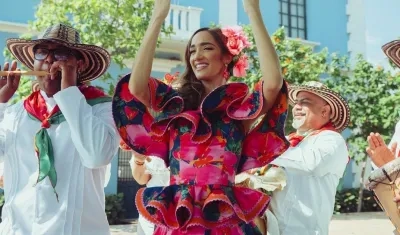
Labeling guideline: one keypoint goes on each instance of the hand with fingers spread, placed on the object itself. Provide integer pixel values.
(378, 151)
(9, 84)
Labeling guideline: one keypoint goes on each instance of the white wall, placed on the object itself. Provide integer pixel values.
(228, 12)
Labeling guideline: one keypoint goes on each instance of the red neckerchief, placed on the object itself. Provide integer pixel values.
(36, 107)
(295, 138)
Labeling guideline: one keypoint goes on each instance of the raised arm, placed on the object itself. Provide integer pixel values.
(138, 82)
(269, 61)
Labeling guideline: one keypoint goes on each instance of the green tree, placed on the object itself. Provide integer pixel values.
(299, 62)
(373, 97)
(117, 25)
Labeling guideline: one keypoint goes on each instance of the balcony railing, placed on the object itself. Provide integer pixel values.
(184, 21)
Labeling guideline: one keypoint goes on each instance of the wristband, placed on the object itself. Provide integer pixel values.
(139, 163)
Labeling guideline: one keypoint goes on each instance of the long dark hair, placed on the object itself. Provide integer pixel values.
(189, 87)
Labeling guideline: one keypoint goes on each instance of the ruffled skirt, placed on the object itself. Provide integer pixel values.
(207, 209)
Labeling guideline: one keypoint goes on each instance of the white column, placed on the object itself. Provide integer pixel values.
(168, 19)
(228, 12)
(194, 19)
(356, 28)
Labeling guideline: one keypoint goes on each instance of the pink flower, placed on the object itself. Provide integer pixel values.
(236, 39)
(231, 31)
(239, 70)
(234, 46)
(236, 42)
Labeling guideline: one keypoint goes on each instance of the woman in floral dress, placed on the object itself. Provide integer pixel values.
(202, 128)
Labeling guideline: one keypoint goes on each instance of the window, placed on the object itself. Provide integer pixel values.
(293, 18)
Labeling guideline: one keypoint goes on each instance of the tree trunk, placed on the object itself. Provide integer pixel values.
(362, 180)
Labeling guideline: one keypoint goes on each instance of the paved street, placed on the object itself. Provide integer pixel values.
(361, 224)
(346, 224)
(123, 229)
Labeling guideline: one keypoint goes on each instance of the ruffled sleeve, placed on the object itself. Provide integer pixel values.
(266, 141)
(134, 120)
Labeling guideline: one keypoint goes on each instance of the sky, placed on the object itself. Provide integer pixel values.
(382, 25)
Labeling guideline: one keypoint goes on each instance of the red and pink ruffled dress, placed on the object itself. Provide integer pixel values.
(204, 149)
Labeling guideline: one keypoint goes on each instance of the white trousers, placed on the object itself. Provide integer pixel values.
(272, 224)
(144, 227)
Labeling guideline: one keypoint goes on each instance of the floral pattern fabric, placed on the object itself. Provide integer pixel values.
(204, 149)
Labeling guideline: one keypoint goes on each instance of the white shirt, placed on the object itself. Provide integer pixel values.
(160, 176)
(313, 168)
(83, 146)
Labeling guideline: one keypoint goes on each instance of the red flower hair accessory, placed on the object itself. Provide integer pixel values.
(237, 41)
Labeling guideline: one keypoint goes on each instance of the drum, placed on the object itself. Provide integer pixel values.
(384, 181)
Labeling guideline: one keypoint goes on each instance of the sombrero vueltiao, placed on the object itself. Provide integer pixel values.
(392, 51)
(96, 59)
(340, 109)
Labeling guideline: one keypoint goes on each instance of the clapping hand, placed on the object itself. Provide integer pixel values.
(378, 151)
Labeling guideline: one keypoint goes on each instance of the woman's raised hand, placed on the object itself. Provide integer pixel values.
(161, 8)
(251, 5)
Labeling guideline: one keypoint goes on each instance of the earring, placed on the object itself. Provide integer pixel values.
(226, 72)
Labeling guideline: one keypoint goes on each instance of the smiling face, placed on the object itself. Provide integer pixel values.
(310, 112)
(207, 59)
